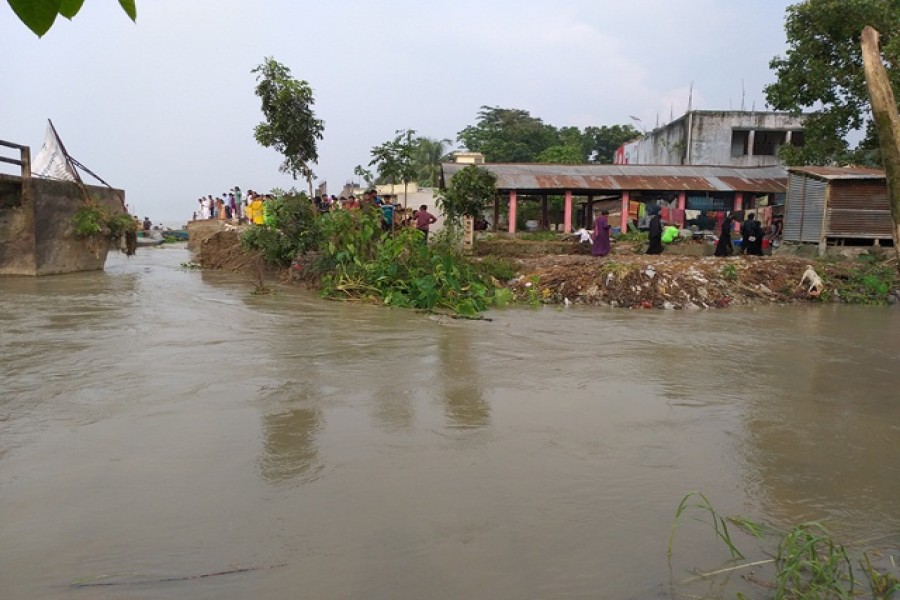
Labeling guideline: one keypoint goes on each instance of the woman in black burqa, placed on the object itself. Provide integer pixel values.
(655, 232)
(724, 246)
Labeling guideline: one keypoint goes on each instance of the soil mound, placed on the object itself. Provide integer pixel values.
(222, 251)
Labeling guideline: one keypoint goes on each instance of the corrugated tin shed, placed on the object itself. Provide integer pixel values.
(837, 173)
(534, 178)
(828, 204)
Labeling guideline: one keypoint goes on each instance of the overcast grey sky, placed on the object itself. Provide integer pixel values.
(165, 108)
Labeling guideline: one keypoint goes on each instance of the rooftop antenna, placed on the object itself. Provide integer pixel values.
(743, 94)
(691, 98)
(672, 111)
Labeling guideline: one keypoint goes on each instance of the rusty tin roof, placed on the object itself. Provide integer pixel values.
(541, 178)
(834, 173)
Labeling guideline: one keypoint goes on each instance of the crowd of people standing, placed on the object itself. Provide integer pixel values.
(250, 208)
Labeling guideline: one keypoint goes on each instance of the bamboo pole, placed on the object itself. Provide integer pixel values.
(887, 121)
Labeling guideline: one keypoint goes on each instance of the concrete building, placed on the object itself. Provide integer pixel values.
(721, 138)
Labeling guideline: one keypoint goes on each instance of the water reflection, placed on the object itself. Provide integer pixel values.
(460, 380)
(393, 406)
(291, 446)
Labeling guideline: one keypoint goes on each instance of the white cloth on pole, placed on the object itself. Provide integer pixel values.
(51, 161)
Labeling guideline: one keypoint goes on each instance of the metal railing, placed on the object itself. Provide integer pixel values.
(24, 158)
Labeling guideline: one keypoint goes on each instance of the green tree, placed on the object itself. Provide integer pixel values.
(508, 135)
(601, 142)
(395, 159)
(562, 154)
(467, 192)
(429, 153)
(39, 15)
(822, 70)
(291, 126)
(366, 174)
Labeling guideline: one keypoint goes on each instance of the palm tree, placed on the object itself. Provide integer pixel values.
(429, 153)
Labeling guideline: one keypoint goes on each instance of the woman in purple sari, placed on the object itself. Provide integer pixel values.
(601, 235)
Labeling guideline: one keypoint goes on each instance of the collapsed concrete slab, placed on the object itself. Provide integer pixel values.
(37, 235)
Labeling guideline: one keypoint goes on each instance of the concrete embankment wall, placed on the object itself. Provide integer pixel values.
(37, 234)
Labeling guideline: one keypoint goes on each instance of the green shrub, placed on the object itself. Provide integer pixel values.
(290, 230)
(357, 260)
(93, 219)
(89, 220)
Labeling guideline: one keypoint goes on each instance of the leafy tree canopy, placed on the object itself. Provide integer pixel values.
(603, 141)
(467, 192)
(513, 135)
(508, 135)
(291, 126)
(395, 159)
(429, 153)
(39, 15)
(562, 154)
(822, 71)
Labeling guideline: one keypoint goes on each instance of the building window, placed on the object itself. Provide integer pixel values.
(798, 138)
(766, 143)
(740, 139)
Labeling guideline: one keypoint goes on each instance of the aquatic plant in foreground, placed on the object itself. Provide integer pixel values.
(809, 564)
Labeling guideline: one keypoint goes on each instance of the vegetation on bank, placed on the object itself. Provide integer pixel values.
(350, 257)
(94, 221)
(804, 562)
(868, 279)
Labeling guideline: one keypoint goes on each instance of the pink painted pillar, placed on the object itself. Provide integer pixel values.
(623, 224)
(567, 213)
(682, 200)
(512, 211)
(738, 205)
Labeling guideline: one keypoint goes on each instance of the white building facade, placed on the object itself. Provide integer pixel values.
(720, 138)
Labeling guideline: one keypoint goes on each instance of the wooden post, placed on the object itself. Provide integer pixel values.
(567, 213)
(823, 226)
(512, 211)
(887, 121)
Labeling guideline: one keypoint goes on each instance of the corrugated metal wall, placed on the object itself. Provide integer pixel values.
(859, 209)
(804, 209)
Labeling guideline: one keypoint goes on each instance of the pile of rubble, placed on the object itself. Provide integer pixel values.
(670, 282)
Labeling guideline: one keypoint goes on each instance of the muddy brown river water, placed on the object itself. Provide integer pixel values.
(159, 424)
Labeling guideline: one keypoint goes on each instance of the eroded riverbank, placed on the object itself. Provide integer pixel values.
(626, 279)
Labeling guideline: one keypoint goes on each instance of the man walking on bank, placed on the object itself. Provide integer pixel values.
(424, 220)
